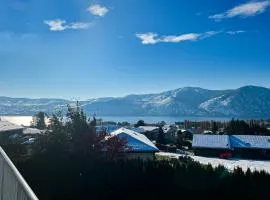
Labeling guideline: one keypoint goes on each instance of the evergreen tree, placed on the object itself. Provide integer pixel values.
(161, 136)
(140, 123)
(214, 127)
(39, 120)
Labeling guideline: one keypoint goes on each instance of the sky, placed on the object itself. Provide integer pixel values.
(86, 49)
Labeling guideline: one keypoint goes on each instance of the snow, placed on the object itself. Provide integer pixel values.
(32, 131)
(8, 126)
(206, 105)
(148, 128)
(137, 136)
(233, 141)
(230, 164)
(211, 141)
(250, 141)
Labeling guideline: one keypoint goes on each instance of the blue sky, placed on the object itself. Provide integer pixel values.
(83, 49)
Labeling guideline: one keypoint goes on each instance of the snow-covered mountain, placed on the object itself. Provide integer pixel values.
(248, 101)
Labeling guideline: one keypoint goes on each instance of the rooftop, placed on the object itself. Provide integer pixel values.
(149, 128)
(211, 141)
(8, 126)
(233, 141)
(137, 141)
(250, 141)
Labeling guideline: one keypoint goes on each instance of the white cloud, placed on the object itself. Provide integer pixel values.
(148, 38)
(98, 10)
(153, 38)
(56, 25)
(235, 32)
(79, 25)
(180, 38)
(244, 10)
(61, 25)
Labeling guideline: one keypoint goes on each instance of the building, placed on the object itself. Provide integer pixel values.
(244, 146)
(210, 145)
(8, 131)
(251, 146)
(9, 128)
(138, 145)
(150, 131)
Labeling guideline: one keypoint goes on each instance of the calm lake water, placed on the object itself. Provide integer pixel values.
(26, 120)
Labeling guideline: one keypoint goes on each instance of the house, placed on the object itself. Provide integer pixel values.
(9, 128)
(210, 145)
(251, 146)
(244, 146)
(138, 145)
(150, 131)
(8, 131)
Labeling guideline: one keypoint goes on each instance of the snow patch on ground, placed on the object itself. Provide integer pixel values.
(231, 164)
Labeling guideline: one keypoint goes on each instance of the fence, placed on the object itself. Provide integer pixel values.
(12, 184)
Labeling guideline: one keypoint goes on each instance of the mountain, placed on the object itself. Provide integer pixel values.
(248, 101)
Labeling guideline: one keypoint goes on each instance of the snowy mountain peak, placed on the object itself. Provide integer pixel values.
(247, 101)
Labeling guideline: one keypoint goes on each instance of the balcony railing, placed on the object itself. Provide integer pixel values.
(12, 184)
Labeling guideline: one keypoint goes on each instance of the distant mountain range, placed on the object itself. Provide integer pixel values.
(248, 101)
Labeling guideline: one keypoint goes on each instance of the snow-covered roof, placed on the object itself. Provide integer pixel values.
(211, 141)
(148, 128)
(233, 141)
(136, 141)
(250, 141)
(32, 131)
(8, 126)
(138, 130)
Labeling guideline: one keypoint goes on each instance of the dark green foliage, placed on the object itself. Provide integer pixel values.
(240, 127)
(140, 123)
(40, 120)
(161, 136)
(214, 127)
(68, 164)
(71, 177)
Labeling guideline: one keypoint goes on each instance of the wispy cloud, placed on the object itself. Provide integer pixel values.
(61, 25)
(244, 10)
(98, 10)
(153, 38)
(235, 32)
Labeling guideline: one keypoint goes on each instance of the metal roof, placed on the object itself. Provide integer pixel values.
(233, 141)
(250, 141)
(211, 141)
(8, 126)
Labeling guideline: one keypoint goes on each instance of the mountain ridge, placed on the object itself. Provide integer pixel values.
(246, 101)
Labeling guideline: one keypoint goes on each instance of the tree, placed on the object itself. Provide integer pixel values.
(115, 146)
(39, 120)
(140, 123)
(214, 127)
(180, 139)
(162, 123)
(161, 136)
(81, 132)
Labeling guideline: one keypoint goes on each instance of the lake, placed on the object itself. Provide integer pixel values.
(26, 120)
